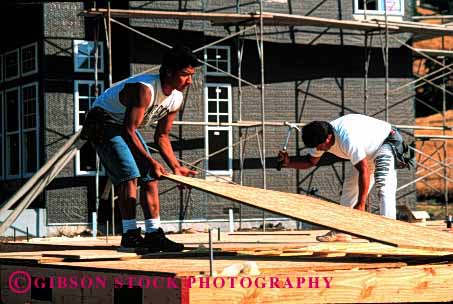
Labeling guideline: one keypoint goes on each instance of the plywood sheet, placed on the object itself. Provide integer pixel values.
(396, 285)
(317, 211)
(195, 266)
(91, 255)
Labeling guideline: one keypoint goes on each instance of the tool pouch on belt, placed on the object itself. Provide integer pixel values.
(93, 128)
(404, 156)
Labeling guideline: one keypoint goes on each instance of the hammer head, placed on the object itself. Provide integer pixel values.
(292, 126)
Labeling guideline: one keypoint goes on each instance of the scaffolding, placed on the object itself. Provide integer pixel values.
(257, 21)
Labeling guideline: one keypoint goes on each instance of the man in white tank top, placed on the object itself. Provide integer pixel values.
(362, 140)
(134, 102)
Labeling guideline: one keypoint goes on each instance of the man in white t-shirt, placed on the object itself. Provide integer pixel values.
(362, 140)
(123, 108)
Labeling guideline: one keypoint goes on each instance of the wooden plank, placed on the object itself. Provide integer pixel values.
(178, 15)
(255, 246)
(91, 255)
(276, 19)
(317, 211)
(186, 254)
(299, 20)
(193, 266)
(372, 249)
(446, 53)
(53, 244)
(406, 284)
(276, 233)
(27, 258)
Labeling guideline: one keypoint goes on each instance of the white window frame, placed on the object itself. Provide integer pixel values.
(217, 73)
(381, 9)
(18, 132)
(35, 70)
(18, 65)
(100, 56)
(2, 142)
(36, 128)
(208, 128)
(77, 126)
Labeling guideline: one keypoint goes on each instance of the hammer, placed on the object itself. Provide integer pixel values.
(291, 126)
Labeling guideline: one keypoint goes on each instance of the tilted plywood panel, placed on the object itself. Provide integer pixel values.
(317, 211)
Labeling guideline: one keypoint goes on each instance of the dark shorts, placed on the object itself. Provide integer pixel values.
(117, 158)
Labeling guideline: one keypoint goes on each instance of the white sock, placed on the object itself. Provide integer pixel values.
(129, 225)
(151, 225)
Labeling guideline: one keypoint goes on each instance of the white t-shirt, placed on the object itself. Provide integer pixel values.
(158, 108)
(356, 137)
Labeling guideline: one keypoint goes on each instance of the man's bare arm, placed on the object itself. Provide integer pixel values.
(162, 138)
(303, 162)
(137, 98)
(364, 184)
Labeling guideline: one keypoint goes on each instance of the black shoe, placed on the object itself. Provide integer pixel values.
(132, 239)
(156, 241)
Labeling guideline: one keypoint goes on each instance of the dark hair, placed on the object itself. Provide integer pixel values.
(316, 133)
(177, 58)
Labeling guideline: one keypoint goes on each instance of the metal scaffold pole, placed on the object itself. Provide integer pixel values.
(445, 143)
(444, 124)
(263, 134)
(240, 52)
(95, 213)
(109, 35)
(386, 63)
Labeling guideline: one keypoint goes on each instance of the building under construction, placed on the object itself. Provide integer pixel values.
(320, 60)
(265, 63)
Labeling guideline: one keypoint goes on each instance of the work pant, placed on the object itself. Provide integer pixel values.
(383, 173)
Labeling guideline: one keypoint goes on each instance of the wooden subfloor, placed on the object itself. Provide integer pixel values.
(305, 270)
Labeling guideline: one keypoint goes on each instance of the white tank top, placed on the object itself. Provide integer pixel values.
(158, 108)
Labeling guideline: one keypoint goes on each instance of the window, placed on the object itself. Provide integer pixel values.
(218, 56)
(394, 7)
(84, 96)
(29, 59)
(30, 151)
(218, 109)
(12, 134)
(84, 56)
(20, 131)
(1, 135)
(11, 63)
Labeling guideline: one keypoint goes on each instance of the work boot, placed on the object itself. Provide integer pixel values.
(131, 240)
(157, 241)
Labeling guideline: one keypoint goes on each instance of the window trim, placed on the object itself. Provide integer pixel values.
(76, 43)
(208, 128)
(7, 176)
(22, 130)
(217, 73)
(35, 70)
(380, 11)
(2, 130)
(77, 126)
(18, 65)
